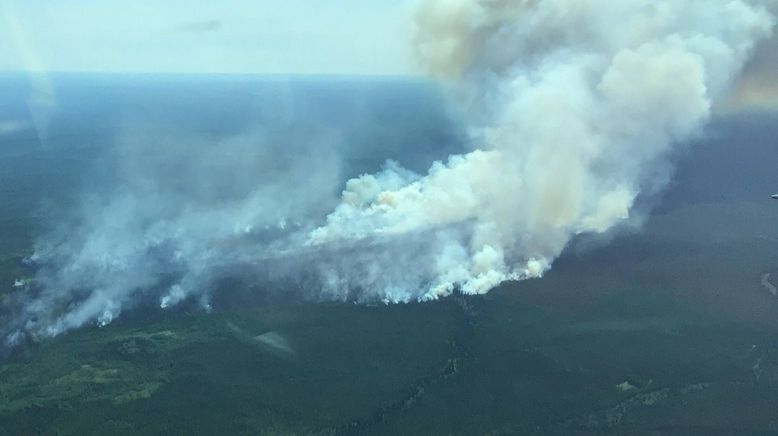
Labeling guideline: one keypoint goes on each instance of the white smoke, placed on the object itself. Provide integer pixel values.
(573, 106)
(576, 103)
(178, 217)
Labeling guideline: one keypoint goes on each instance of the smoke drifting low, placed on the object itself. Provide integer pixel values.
(573, 107)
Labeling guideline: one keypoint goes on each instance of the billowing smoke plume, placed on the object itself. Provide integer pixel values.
(576, 105)
(573, 106)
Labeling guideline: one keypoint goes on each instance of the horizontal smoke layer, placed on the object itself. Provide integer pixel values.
(574, 107)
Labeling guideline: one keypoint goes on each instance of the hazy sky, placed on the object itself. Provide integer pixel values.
(245, 36)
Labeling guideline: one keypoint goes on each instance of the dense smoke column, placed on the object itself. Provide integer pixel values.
(574, 107)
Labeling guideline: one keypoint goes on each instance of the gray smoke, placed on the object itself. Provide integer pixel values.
(573, 106)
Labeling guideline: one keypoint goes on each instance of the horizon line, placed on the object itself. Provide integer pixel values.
(213, 73)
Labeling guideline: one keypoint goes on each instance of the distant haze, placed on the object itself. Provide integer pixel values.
(230, 36)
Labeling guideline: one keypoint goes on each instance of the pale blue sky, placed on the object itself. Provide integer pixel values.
(198, 36)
